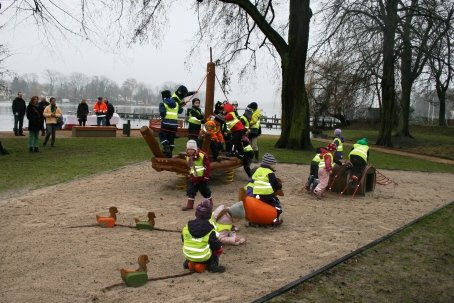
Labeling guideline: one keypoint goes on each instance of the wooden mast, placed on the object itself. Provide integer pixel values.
(209, 97)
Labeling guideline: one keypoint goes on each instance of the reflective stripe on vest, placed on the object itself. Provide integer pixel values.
(232, 123)
(360, 150)
(340, 145)
(174, 96)
(262, 185)
(171, 113)
(321, 164)
(317, 158)
(194, 120)
(248, 148)
(196, 249)
(197, 170)
(218, 227)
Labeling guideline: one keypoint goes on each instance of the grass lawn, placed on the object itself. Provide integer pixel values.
(416, 265)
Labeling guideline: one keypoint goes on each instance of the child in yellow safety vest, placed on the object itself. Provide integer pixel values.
(264, 184)
(312, 180)
(223, 220)
(359, 156)
(200, 243)
(325, 168)
(338, 140)
(199, 174)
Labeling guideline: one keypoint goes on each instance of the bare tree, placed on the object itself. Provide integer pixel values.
(4, 72)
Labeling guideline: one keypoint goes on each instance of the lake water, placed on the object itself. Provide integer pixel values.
(7, 118)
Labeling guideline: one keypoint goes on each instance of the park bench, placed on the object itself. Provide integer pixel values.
(94, 131)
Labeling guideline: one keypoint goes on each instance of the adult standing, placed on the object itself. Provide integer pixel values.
(254, 128)
(82, 112)
(41, 106)
(51, 113)
(19, 108)
(100, 109)
(110, 112)
(35, 124)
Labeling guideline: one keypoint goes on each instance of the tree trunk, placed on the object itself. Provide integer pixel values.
(441, 93)
(295, 133)
(406, 81)
(388, 80)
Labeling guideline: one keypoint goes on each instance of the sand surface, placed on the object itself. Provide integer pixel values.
(42, 260)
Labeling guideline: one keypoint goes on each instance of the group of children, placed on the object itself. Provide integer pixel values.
(322, 164)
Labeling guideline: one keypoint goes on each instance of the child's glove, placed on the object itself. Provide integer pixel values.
(218, 252)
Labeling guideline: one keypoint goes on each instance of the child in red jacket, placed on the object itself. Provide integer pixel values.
(235, 127)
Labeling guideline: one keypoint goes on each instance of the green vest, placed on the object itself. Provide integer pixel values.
(317, 158)
(193, 119)
(232, 123)
(196, 249)
(171, 113)
(340, 145)
(248, 148)
(245, 121)
(197, 170)
(262, 185)
(321, 164)
(359, 150)
(174, 96)
(218, 227)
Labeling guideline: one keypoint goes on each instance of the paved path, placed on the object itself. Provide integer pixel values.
(397, 152)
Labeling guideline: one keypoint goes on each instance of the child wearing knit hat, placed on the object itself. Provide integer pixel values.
(223, 220)
(338, 140)
(199, 174)
(264, 185)
(200, 243)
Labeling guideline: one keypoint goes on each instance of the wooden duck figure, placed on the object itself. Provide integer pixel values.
(146, 224)
(138, 277)
(108, 221)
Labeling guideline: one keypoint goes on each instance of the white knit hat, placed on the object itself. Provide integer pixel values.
(191, 145)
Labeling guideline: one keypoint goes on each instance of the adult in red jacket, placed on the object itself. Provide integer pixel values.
(235, 127)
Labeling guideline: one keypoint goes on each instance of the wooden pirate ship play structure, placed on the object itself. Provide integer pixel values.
(177, 163)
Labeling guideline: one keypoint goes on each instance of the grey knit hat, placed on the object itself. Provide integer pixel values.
(237, 210)
(268, 159)
(191, 144)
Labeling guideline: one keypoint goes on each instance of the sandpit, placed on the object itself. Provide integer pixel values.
(44, 261)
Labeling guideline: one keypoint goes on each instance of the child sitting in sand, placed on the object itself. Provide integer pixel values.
(223, 220)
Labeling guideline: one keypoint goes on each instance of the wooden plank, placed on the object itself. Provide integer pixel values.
(94, 131)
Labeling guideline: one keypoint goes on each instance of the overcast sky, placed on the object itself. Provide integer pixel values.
(31, 53)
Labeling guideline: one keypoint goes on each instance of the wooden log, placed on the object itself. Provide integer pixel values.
(148, 135)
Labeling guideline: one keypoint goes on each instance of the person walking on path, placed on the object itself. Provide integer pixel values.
(19, 108)
(51, 113)
(41, 106)
(82, 112)
(34, 124)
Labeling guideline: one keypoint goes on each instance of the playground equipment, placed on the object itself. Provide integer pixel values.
(258, 212)
(197, 266)
(339, 181)
(146, 224)
(136, 277)
(178, 163)
(109, 221)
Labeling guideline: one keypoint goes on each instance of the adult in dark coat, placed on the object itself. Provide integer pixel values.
(110, 112)
(35, 124)
(19, 108)
(82, 112)
(41, 106)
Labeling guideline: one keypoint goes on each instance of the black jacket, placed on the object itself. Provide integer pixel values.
(82, 111)
(34, 118)
(19, 106)
(41, 106)
(110, 110)
(200, 227)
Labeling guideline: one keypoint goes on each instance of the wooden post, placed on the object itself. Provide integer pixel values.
(209, 97)
(151, 141)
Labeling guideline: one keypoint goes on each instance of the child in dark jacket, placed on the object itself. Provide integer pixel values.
(168, 110)
(195, 119)
(200, 243)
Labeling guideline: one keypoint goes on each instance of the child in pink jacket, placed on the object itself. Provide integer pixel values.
(223, 219)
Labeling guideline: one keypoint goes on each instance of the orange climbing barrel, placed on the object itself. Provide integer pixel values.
(259, 212)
